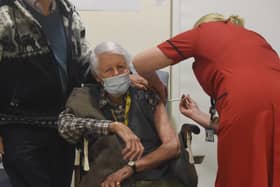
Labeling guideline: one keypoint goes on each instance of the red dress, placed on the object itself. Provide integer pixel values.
(241, 71)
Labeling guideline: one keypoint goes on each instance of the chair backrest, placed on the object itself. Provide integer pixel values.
(164, 76)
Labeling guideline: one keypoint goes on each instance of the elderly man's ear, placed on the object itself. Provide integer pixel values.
(95, 76)
(98, 79)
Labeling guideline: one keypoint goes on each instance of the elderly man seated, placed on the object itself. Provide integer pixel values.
(137, 116)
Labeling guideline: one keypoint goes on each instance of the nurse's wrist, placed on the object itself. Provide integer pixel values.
(201, 118)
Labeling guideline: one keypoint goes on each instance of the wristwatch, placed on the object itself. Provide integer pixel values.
(132, 164)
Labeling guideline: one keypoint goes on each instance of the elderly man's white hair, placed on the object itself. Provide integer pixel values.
(111, 48)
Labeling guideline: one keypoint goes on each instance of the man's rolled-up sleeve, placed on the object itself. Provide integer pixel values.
(73, 128)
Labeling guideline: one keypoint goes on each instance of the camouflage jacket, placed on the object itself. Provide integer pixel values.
(29, 80)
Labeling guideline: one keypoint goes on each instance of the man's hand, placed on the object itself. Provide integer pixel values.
(133, 148)
(115, 179)
(139, 82)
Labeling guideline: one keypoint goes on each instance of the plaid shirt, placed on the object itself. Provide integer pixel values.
(73, 128)
(118, 110)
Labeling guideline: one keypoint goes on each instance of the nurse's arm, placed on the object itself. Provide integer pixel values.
(189, 108)
(150, 60)
(147, 62)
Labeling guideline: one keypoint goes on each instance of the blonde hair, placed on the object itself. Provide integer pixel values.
(219, 17)
(236, 20)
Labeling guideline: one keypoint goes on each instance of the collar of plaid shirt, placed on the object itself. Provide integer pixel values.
(118, 110)
(34, 4)
(104, 99)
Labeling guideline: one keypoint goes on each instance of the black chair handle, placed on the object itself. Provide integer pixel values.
(189, 127)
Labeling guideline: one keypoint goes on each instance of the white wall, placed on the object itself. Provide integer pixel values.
(135, 30)
(260, 15)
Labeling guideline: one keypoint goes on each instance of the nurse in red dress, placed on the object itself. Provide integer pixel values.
(240, 70)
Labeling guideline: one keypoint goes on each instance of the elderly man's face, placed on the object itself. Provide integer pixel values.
(111, 65)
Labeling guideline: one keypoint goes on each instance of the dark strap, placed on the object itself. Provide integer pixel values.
(176, 49)
(47, 121)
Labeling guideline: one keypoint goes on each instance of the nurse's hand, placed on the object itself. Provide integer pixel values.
(188, 107)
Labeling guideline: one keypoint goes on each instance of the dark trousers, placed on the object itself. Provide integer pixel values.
(37, 157)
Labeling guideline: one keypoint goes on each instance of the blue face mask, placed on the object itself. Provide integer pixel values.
(117, 85)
